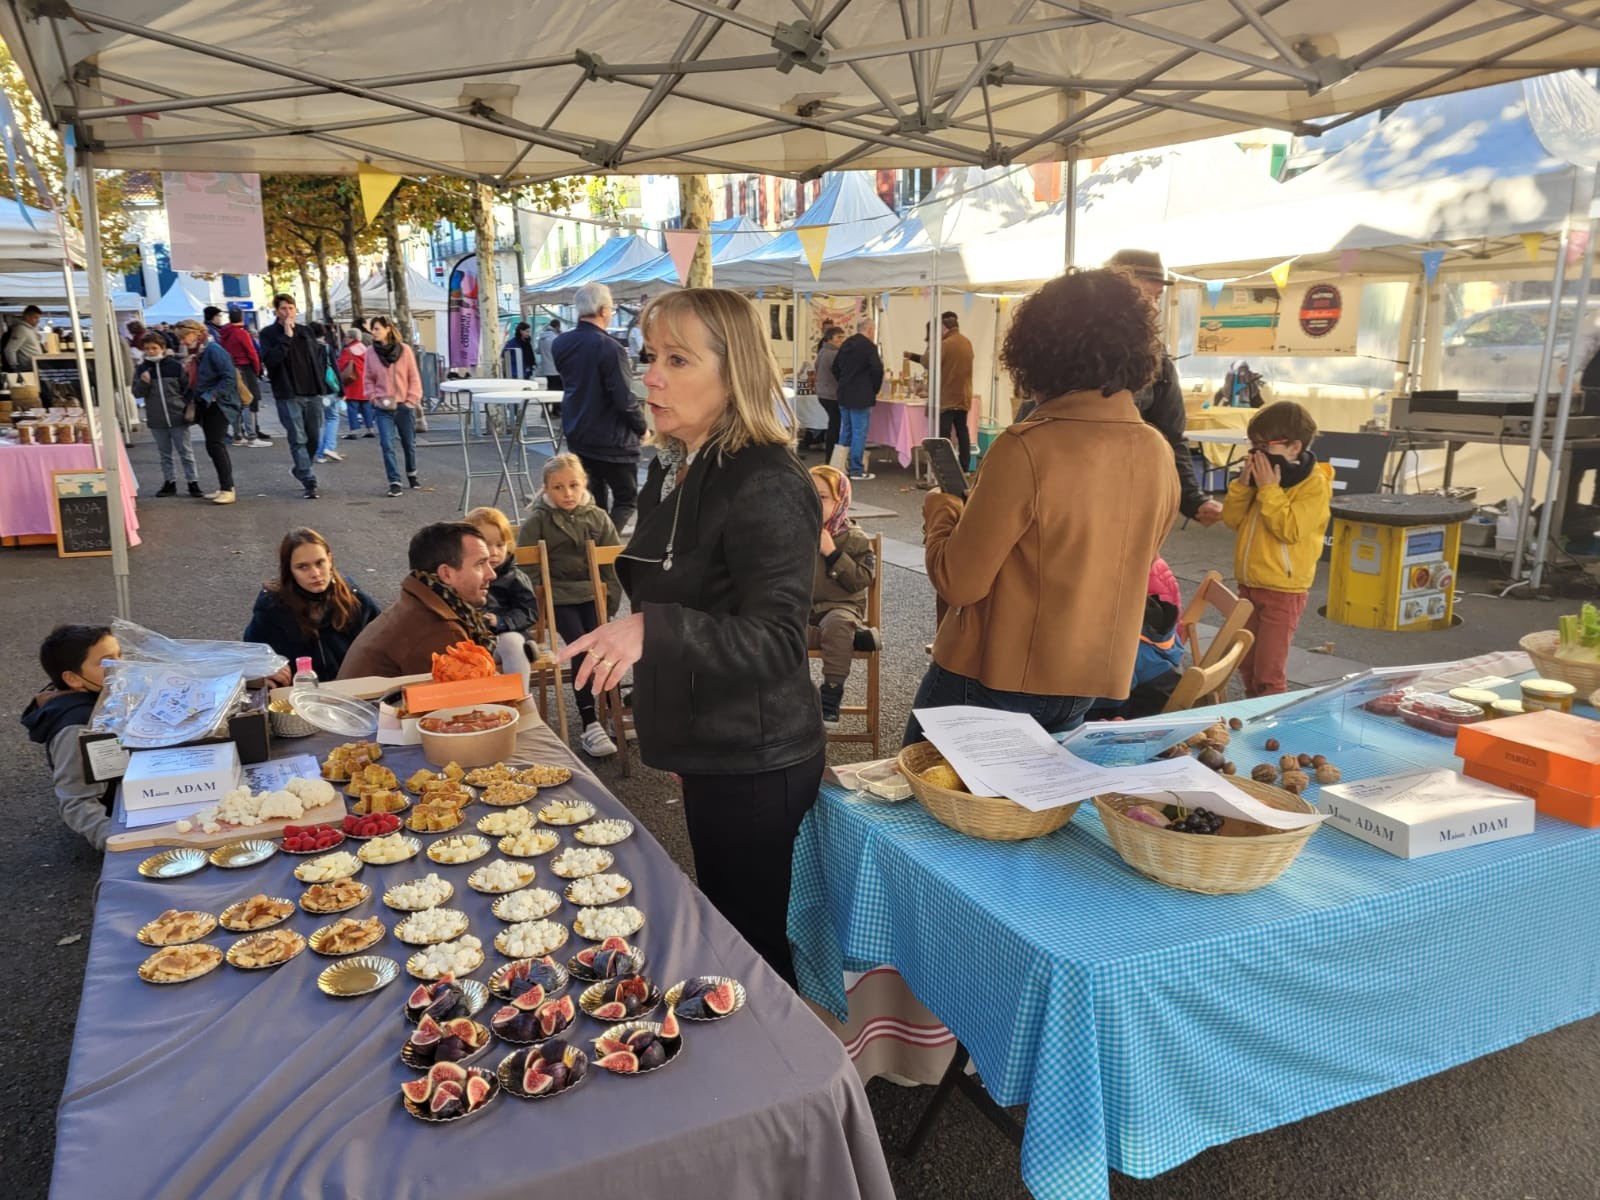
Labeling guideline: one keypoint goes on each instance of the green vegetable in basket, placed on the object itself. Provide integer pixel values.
(1580, 636)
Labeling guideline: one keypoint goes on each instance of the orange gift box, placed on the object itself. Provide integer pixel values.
(1545, 747)
(497, 689)
(1568, 805)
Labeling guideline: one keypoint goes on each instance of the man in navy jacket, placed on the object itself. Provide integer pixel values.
(600, 416)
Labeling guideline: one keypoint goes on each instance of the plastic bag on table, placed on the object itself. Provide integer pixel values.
(149, 705)
(253, 660)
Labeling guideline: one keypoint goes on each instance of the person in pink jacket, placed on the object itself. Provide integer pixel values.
(394, 389)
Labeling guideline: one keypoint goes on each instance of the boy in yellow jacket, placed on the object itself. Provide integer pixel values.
(1279, 505)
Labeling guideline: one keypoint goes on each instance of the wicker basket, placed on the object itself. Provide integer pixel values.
(288, 724)
(1213, 864)
(991, 817)
(1541, 647)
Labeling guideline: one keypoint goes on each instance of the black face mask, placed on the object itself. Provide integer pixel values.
(1292, 471)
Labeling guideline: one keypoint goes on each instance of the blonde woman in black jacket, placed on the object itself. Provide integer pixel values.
(718, 574)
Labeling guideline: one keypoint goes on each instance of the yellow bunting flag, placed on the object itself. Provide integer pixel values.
(1531, 243)
(1280, 275)
(376, 188)
(814, 240)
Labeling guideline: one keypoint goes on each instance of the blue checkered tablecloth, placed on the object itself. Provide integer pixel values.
(1142, 1024)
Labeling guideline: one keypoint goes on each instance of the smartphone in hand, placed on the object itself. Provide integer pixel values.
(946, 467)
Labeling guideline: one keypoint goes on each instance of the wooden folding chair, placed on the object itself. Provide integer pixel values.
(874, 661)
(546, 670)
(1234, 612)
(609, 708)
(1200, 686)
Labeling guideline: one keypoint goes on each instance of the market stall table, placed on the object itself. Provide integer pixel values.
(901, 427)
(27, 509)
(1142, 1024)
(255, 1084)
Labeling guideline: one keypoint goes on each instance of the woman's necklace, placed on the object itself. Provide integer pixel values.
(672, 535)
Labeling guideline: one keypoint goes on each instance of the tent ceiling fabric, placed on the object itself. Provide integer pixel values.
(790, 87)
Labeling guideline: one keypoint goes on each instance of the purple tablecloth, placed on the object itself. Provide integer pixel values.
(255, 1084)
(25, 501)
(902, 427)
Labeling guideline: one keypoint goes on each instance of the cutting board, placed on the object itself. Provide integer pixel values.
(168, 835)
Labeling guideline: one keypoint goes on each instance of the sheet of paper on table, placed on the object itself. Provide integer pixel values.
(1010, 754)
(1129, 743)
(270, 776)
(1203, 789)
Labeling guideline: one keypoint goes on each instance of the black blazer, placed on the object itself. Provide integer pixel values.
(724, 687)
(859, 369)
(600, 415)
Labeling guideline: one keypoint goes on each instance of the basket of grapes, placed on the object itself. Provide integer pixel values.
(1202, 851)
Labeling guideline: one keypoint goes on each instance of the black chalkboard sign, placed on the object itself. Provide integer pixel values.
(83, 513)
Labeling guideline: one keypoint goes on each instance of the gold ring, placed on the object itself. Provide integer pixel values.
(608, 662)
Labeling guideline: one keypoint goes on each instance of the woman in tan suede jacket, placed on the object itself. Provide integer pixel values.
(1044, 568)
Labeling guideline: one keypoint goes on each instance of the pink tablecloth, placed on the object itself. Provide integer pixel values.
(902, 427)
(25, 506)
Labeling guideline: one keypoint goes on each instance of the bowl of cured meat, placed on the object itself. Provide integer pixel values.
(473, 736)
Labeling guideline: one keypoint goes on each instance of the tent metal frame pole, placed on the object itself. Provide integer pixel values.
(563, 143)
(268, 123)
(180, 103)
(86, 388)
(105, 381)
(1556, 477)
(1541, 398)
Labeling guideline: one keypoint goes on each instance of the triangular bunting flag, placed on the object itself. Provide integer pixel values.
(1430, 264)
(1531, 242)
(376, 188)
(814, 241)
(1577, 243)
(966, 301)
(761, 293)
(883, 301)
(681, 245)
(1347, 261)
(1214, 292)
(136, 121)
(1280, 275)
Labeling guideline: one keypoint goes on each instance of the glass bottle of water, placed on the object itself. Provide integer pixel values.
(304, 676)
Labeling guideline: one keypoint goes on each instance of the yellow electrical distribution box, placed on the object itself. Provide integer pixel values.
(1393, 563)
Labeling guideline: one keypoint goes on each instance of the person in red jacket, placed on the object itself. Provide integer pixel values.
(241, 347)
(352, 367)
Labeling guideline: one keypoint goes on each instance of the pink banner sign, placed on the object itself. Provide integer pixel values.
(463, 310)
(215, 222)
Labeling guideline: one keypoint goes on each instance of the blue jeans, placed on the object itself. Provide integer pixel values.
(403, 418)
(330, 425)
(357, 413)
(302, 427)
(174, 442)
(243, 424)
(940, 688)
(853, 433)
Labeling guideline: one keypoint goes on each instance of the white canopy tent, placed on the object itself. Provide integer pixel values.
(693, 85)
(421, 293)
(183, 301)
(964, 209)
(48, 289)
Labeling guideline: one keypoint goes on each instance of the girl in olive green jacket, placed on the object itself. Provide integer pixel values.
(566, 519)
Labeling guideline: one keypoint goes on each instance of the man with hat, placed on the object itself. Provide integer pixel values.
(1161, 403)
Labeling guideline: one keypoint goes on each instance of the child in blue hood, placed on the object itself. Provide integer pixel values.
(73, 656)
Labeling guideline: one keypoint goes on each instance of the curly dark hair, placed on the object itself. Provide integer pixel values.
(1082, 331)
